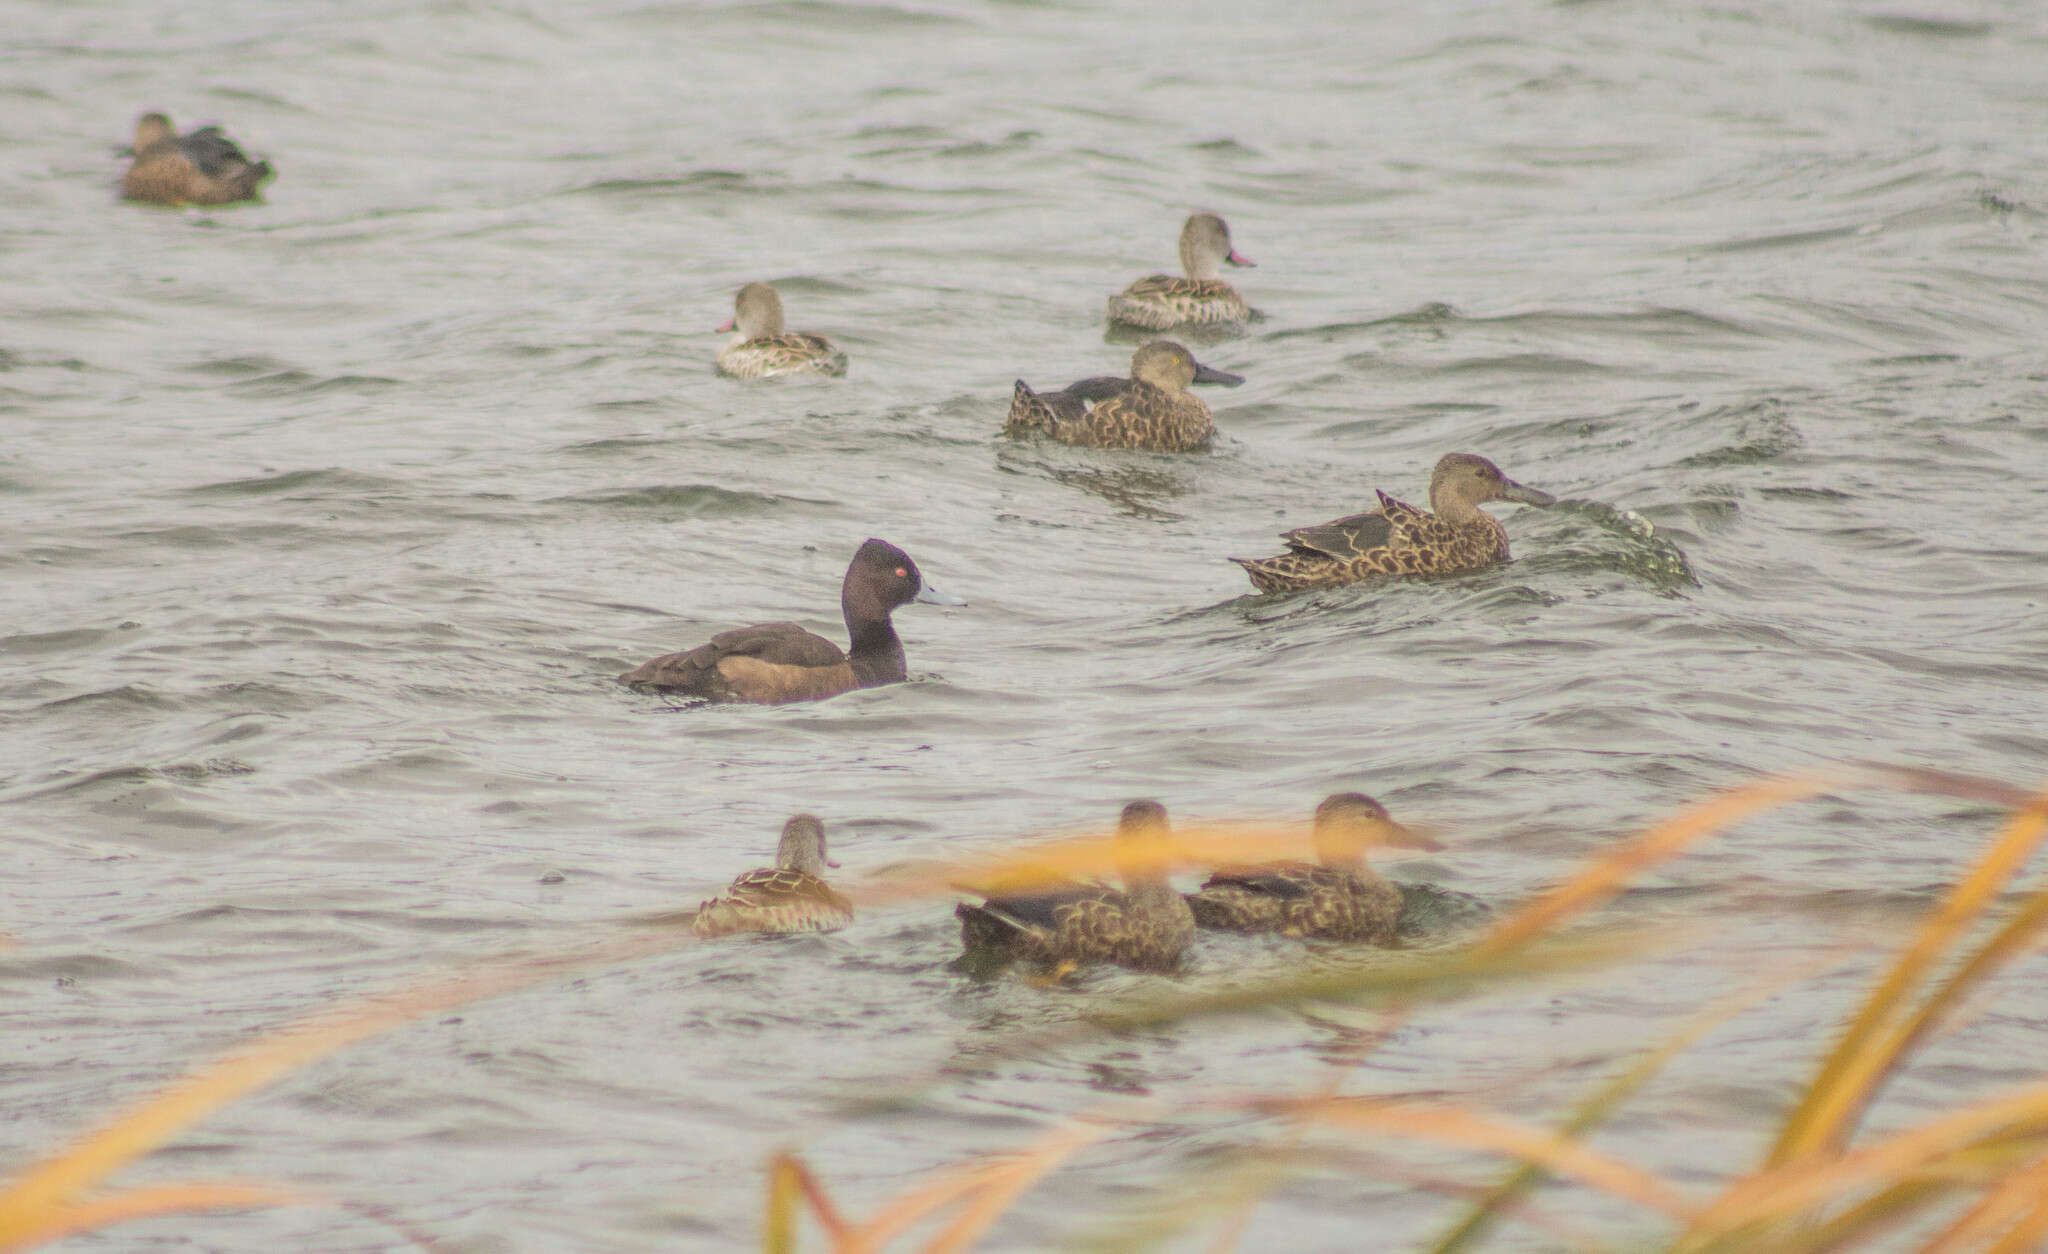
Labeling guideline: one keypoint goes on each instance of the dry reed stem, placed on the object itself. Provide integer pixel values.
(53, 1185)
(2015, 1205)
(1858, 1065)
(56, 1223)
(1452, 1125)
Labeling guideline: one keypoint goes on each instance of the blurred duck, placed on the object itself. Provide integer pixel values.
(1399, 539)
(1162, 301)
(1342, 898)
(1152, 409)
(776, 663)
(1147, 926)
(203, 168)
(790, 896)
(760, 348)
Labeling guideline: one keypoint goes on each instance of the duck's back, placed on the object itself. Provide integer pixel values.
(1161, 301)
(769, 355)
(773, 899)
(1141, 415)
(1299, 899)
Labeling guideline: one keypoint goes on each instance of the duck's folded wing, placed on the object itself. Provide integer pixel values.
(214, 153)
(776, 886)
(1345, 537)
(1282, 879)
(1415, 527)
(784, 643)
(1043, 910)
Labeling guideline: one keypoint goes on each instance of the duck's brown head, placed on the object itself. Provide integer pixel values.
(1349, 823)
(1165, 364)
(1462, 481)
(1205, 246)
(756, 312)
(152, 129)
(803, 846)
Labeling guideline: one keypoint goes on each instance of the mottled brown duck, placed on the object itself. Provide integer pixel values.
(1399, 539)
(1338, 897)
(1147, 926)
(1151, 410)
(777, 663)
(791, 896)
(203, 168)
(1199, 297)
(761, 349)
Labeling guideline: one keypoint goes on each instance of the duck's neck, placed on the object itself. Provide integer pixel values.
(874, 650)
(1454, 509)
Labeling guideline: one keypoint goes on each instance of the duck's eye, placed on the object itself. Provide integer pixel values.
(902, 573)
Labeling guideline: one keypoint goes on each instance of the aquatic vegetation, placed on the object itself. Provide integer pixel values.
(1970, 1177)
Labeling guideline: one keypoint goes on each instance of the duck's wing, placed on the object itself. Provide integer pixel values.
(1343, 538)
(783, 643)
(214, 153)
(771, 887)
(1415, 527)
(1043, 911)
(1276, 879)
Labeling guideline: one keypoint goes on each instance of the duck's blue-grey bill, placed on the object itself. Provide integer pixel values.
(932, 596)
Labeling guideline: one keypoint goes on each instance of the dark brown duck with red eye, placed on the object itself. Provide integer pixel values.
(1147, 926)
(1152, 409)
(1399, 539)
(203, 168)
(777, 663)
(1338, 897)
(791, 896)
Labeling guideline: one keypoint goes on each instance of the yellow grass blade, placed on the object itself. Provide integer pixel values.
(167, 1199)
(1610, 1097)
(56, 1183)
(2015, 1205)
(1008, 1176)
(790, 1181)
(1835, 1101)
(1451, 1125)
(1797, 1188)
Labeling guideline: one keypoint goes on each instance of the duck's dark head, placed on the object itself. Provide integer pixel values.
(1467, 479)
(883, 577)
(1165, 364)
(1142, 834)
(803, 846)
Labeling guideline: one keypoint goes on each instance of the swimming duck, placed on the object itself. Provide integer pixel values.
(203, 168)
(1148, 926)
(776, 663)
(1152, 409)
(1399, 539)
(790, 896)
(761, 349)
(1161, 301)
(1340, 899)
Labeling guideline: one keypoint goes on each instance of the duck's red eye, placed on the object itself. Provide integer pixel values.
(902, 573)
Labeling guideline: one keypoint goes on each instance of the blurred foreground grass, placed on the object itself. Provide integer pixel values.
(1973, 1178)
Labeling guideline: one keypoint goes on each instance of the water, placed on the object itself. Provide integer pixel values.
(324, 524)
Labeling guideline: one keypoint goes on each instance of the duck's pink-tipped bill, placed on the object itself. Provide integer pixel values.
(1237, 258)
(726, 325)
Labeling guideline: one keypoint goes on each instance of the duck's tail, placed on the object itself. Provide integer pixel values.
(1028, 412)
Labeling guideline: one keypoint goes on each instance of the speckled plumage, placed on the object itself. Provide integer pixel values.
(790, 896)
(761, 349)
(1161, 301)
(1399, 539)
(1151, 410)
(1342, 899)
(1147, 926)
(202, 168)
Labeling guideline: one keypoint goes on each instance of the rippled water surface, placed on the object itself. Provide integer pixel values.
(325, 523)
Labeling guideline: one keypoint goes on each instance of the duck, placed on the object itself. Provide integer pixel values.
(1151, 410)
(778, 663)
(1147, 926)
(203, 168)
(1337, 897)
(761, 349)
(791, 896)
(1399, 539)
(1160, 301)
